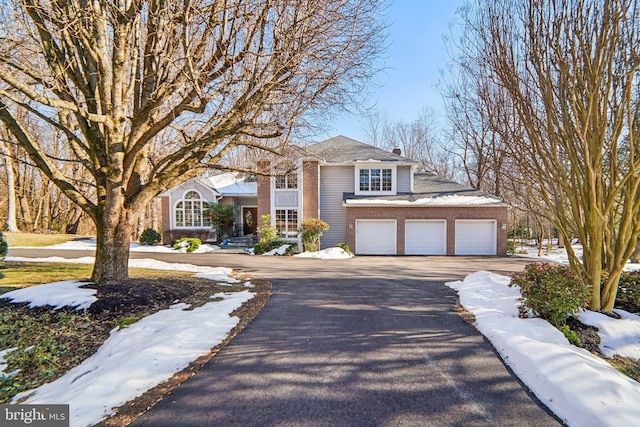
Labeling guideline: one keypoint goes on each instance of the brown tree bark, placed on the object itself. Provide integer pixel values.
(146, 95)
(570, 71)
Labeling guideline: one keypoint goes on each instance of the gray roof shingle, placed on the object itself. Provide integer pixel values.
(341, 149)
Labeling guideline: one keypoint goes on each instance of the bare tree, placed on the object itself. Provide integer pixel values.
(570, 70)
(477, 112)
(148, 94)
(417, 139)
(376, 128)
(12, 221)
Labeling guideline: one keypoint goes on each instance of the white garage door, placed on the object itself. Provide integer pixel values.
(425, 237)
(476, 237)
(375, 237)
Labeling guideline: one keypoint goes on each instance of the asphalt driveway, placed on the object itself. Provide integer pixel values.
(371, 341)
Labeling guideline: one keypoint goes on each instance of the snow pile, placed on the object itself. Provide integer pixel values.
(329, 253)
(580, 388)
(618, 336)
(58, 294)
(90, 245)
(278, 251)
(430, 201)
(139, 357)
(202, 249)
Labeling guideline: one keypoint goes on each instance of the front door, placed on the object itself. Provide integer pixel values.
(249, 220)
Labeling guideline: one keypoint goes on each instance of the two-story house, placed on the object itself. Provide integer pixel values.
(374, 201)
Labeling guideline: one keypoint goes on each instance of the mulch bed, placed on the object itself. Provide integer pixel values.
(191, 291)
(140, 297)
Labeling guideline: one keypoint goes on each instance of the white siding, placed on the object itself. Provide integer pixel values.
(334, 182)
(404, 179)
(178, 192)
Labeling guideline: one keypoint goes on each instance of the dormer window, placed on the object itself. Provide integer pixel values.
(376, 180)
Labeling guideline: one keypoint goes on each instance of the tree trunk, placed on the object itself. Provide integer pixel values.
(112, 248)
(26, 212)
(12, 223)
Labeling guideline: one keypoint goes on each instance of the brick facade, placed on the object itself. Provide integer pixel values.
(310, 189)
(264, 190)
(311, 208)
(450, 214)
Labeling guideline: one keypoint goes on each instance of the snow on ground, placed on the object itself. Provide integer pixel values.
(579, 387)
(555, 254)
(58, 295)
(221, 274)
(90, 245)
(138, 357)
(619, 336)
(281, 250)
(329, 253)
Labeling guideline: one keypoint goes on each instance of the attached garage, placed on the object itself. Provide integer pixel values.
(375, 237)
(476, 237)
(425, 237)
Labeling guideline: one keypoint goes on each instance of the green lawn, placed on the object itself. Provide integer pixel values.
(15, 275)
(35, 239)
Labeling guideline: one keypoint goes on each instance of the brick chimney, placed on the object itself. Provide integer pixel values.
(397, 151)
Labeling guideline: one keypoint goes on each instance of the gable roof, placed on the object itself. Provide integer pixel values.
(429, 190)
(341, 150)
(233, 184)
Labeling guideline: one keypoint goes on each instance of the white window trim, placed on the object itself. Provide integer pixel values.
(298, 206)
(182, 199)
(376, 165)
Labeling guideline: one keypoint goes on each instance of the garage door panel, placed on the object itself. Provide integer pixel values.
(425, 237)
(376, 237)
(476, 237)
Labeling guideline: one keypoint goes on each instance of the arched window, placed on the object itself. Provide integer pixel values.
(189, 211)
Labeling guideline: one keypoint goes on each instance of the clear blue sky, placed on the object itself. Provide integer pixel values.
(415, 55)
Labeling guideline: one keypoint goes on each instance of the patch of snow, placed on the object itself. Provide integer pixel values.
(579, 387)
(139, 357)
(214, 273)
(3, 361)
(618, 336)
(202, 249)
(278, 251)
(59, 294)
(137, 247)
(429, 201)
(90, 245)
(329, 253)
(76, 245)
(554, 253)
